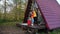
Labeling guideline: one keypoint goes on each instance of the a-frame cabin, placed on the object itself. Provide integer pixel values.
(50, 11)
(28, 9)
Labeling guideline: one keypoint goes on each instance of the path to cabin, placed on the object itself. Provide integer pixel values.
(10, 29)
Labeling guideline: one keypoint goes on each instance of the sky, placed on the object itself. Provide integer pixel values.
(9, 2)
(58, 1)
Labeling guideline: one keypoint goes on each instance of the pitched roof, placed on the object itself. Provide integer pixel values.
(51, 12)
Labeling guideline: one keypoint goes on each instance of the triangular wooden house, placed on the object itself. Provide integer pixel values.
(50, 11)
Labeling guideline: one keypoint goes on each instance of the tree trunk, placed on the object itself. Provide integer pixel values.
(5, 11)
(16, 12)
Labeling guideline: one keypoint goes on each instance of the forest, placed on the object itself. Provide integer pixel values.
(12, 10)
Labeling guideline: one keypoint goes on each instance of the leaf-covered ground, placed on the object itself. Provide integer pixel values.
(11, 28)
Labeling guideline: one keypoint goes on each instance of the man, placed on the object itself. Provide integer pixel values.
(34, 16)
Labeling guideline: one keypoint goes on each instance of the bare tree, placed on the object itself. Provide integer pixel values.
(5, 10)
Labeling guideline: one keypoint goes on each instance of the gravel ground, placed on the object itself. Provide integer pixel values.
(10, 30)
